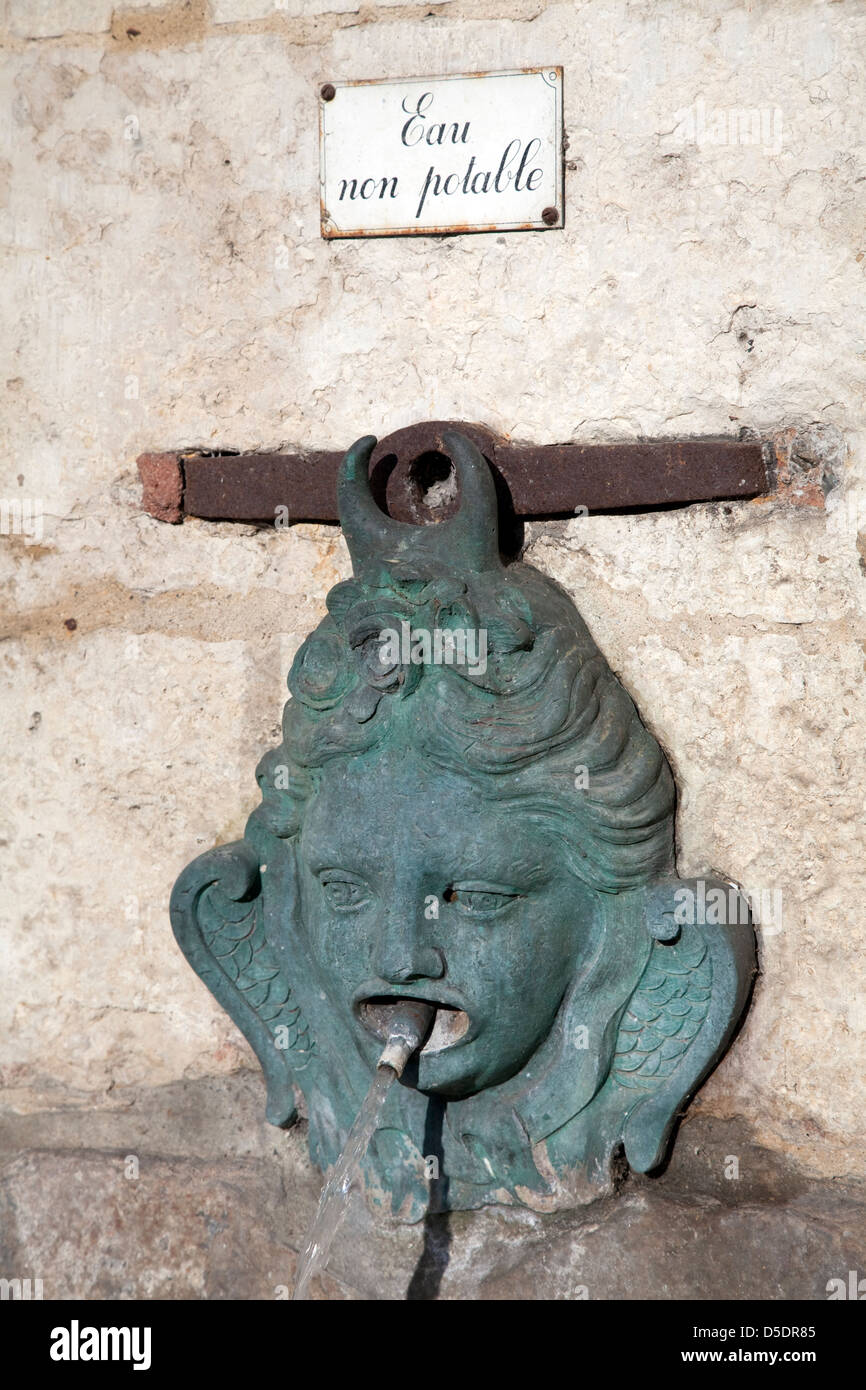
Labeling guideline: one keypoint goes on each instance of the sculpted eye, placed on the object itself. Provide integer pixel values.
(479, 901)
(344, 894)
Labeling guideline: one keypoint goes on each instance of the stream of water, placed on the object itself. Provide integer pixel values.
(345, 1173)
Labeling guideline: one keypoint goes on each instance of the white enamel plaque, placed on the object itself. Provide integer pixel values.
(442, 154)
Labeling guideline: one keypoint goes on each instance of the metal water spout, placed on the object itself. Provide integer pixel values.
(405, 1025)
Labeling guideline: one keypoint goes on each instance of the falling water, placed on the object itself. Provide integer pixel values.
(402, 1024)
(346, 1172)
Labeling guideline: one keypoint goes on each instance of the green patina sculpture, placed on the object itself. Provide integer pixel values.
(466, 809)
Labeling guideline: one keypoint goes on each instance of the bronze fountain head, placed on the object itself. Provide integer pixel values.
(466, 810)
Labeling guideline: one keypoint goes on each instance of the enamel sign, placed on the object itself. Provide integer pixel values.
(441, 155)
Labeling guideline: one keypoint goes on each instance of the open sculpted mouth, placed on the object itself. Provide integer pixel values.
(449, 1024)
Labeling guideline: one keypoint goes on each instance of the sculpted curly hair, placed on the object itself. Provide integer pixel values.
(545, 723)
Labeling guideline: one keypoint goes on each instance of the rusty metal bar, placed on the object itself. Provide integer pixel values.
(249, 487)
(410, 477)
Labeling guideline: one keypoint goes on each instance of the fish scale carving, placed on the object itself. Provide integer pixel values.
(235, 935)
(664, 1014)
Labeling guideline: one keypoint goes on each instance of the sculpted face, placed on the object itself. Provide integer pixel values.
(414, 885)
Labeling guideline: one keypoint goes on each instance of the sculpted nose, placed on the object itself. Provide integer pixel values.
(403, 962)
(405, 949)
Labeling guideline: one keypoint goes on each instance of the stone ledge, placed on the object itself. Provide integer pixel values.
(222, 1216)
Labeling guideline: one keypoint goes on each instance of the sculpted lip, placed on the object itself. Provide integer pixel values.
(451, 1023)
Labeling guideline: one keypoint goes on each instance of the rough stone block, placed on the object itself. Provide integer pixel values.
(45, 19)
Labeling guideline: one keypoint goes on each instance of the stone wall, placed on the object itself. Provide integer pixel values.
(167, 288)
